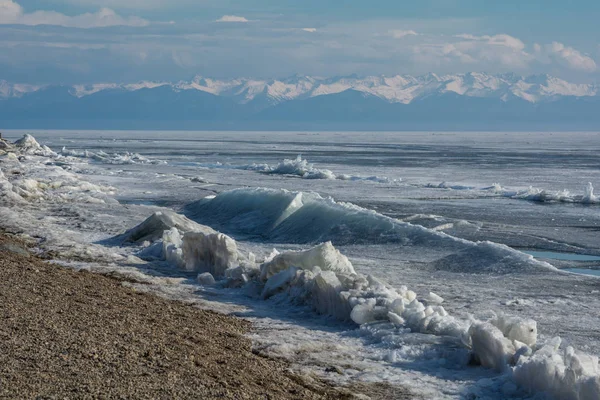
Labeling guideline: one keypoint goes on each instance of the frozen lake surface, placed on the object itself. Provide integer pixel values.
(410, 209)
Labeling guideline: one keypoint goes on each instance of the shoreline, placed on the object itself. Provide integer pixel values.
(86, 335)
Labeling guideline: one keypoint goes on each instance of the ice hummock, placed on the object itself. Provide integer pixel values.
(302, 168)
(28, 145)
(324, 256)
(301, 218)
(153, 227)
(183, 243)
(33, 177)
(110, 158)
(305, 217)
(325, 279)
(531, 193)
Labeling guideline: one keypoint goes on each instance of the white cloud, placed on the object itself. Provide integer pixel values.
(312, 30)
(498, 50)
(12, 13)
(231, 18)
(399, 34)
(498, 40)
(566, 56)
(132, 4)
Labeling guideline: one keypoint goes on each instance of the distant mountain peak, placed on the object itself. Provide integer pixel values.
(393, 89)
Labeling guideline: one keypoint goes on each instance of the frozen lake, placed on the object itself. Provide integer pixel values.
(528, 191)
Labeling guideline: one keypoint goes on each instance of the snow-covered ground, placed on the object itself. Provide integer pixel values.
(418, 287)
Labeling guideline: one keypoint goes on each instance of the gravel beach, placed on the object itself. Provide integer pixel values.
(68, 334)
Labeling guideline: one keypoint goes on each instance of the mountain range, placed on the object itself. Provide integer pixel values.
(401, 102)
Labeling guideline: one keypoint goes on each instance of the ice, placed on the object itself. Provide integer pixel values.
(545, 196)
(488, 257)
(324, 256)
(433, 298)
(206, 279)
(278, 281)
(172, 243)
(514, 328)
(110, 158)
(588, 195)
(302, 168)
(209, 252)
(248, 211)
(153, 227)
(7, 192)
(301, 217)
(28, 145)
(490, 347)
(563, 375)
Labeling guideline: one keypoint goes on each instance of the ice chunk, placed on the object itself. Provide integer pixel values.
(206, 278)
(490, 347)
(326, 297)
(397, 306)
(278, 282)
(209, 252)
(153, 227)
(396, 319)
(363, 313)
(433, 298)
(324, 256)
(588, 195)
(514, 328)
(171, 244)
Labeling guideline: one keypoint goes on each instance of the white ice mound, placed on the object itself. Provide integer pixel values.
(490, 347)
(325, 279)
(324, 256)
(514, 328)
(209, 252)
(298, 167)
(153, 227)
(7, 192)
(302, 168)
(565, 374)
(28, 145)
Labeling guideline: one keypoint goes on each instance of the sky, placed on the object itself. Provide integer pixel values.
(92, 41)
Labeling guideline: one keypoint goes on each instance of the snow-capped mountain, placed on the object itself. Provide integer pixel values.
(394, 89)
(459, 101)
(8, 90)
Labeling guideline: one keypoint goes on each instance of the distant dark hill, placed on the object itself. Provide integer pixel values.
(349, 105)
(168, 107)
(158, 104)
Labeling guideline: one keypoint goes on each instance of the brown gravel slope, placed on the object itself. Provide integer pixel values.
(67, 334)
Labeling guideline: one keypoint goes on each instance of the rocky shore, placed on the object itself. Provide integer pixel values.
(68, 334)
